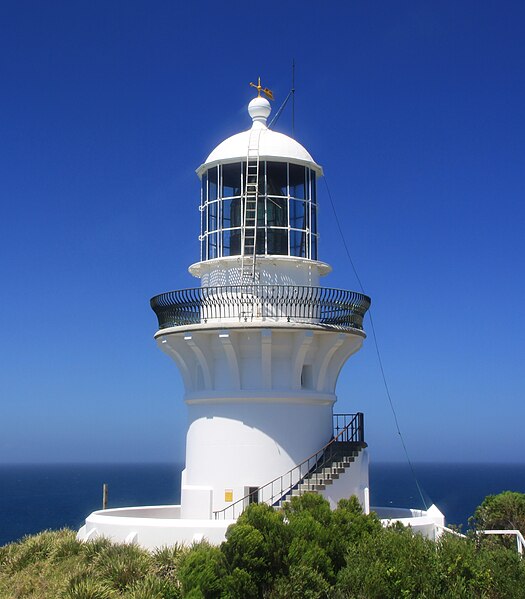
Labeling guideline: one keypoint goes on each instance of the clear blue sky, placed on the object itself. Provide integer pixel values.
(414, 109)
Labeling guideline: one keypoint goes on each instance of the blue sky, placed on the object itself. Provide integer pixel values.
(415, 111)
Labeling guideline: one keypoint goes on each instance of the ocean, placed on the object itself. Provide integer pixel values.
(51, 496)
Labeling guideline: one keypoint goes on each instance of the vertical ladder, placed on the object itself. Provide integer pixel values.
(250, 204)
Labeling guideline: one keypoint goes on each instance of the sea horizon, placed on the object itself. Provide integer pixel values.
(37, 496)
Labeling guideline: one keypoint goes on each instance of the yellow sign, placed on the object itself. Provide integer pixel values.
(228, 495)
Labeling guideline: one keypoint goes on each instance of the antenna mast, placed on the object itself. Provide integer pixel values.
(293, 98)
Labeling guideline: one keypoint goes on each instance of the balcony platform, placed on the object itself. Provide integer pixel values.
(262, 305)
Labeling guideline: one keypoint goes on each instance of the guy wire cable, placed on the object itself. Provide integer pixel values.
(379, 359)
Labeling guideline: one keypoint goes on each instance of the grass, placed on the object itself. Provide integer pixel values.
(54, 565)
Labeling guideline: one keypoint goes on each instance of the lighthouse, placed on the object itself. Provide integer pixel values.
(259, 343)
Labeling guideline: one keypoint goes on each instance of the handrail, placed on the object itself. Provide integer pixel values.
(289, 303)
(520, 541)
(353, 432)
(451, 531)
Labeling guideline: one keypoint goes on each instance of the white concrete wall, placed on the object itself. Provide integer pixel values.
(223, 362)
(259, 403)
(276, 270)
(239, 445)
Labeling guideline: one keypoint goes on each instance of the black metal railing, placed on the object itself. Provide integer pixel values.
(349, 436)
(290, 303)
(349, 428)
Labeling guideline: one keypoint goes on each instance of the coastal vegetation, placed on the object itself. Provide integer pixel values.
(304, 551)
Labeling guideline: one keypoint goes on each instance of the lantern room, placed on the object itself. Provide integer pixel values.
(258, 201)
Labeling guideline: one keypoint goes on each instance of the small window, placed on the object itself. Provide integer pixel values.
(252, 494)
(307, 379)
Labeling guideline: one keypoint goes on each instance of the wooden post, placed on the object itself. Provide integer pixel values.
(104, 496)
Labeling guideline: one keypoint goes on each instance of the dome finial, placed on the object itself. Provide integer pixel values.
(259, 108)
(267, 92)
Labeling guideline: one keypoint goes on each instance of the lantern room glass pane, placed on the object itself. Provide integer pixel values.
(231, 180)
(260, 245)
(231, 213)
(276, 178)
(298, 243)
(313, 254)
(212, 184)
(298, 214)
(297, 181)
(204, 195)
(213, 246)
(213, 211)
(276, 212)
(231, 242)
(277, 242)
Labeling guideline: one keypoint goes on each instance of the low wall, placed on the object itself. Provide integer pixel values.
(428, 523)
(157, 526)
(151, 527)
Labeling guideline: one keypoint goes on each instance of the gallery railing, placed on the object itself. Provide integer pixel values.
(246, 303)
(351, 435)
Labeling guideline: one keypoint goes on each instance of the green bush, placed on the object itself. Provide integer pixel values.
(202, 571)
(394, 563)
(305, 551)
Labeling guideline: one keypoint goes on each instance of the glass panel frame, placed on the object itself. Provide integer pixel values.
(286, 210)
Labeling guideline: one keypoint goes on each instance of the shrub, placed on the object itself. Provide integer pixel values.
(394, 563)
(500, 512)
(202, 571)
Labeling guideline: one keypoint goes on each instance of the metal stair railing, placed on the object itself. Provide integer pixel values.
(350, 437)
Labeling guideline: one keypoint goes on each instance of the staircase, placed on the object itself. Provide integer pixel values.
(313, 474)
(322, 476)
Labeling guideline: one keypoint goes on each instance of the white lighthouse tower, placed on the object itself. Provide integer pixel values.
(260, 345)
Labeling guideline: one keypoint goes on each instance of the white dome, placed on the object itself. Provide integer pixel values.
(272, 145)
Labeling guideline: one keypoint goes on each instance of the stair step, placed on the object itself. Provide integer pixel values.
(304, 487)
(326, 473)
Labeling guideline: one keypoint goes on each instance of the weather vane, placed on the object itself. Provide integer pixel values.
(267, 92)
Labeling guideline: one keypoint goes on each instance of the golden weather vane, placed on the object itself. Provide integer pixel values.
(267, 92)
